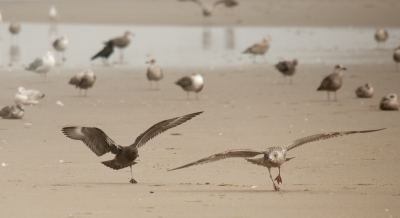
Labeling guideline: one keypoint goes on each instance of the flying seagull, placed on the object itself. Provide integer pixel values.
(125, 156)
(106, 52)
(333, 82)
(273, 156)
(83, 80)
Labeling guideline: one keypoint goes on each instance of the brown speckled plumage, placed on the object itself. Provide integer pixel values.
(273, 156)
(125, 156)
(333, 82)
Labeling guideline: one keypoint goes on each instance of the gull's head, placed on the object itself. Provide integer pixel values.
(128, 34)
(340, 67)
(20, 106)
(392, 97)
(49, 54)
(368, 85)
(275, 157)
(21, 90)
(90, 72)
(267, 38)
(152, 61)
(295, 62)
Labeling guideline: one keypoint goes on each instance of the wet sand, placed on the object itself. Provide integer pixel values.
(251, 106)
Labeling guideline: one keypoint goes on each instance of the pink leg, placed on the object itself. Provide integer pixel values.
(275, 185)
(278, 178)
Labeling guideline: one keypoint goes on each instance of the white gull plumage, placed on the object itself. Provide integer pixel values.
(42, 65)
(28, 97)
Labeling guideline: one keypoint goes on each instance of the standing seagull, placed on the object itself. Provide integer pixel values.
(365, 91)
(60, 45)
(259, 48)
(333, 82)
(381, 36)
(42, 65)
(13, 112)
(154, 72)
(106, 52)
(83, 80)
(273, 156)
(122, 42)
(389, 103)
(287, 68)
(28, 97)
(396, 57)
(101, 144)
(53, 14)
(194, 83)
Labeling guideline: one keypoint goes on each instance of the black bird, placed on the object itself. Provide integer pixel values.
(106, 52)
(100, 143)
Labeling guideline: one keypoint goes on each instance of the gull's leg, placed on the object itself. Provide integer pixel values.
(291, 82)
(157, 86)
(197, 97)
(329, 98)
(278, 178)
(397, 67)
(121, 51)
(150, 84)
(85, 92)
(132, 180)
(265, 58)
(80, 91)
(187, 95)
(335, 96)
(255, 57)
(270, 176)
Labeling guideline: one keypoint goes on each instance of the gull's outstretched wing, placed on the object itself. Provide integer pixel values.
(324, 136)
(161, 127)
(245, 153)
(93, 137)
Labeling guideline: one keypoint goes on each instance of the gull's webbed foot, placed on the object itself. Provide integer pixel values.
(132, 181)
(278, 179)
(276, 187)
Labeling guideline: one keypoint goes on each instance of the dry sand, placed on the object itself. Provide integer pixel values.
(352, 176)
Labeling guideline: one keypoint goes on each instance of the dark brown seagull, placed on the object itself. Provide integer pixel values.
(125, 156)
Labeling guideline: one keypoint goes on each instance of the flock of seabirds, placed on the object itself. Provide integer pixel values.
(125, 156)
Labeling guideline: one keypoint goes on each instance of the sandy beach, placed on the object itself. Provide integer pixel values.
(247, 106)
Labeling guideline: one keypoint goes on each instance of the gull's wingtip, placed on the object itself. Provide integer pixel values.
(373, 130)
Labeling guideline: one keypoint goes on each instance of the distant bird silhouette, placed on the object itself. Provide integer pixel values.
(389, 103)
(60, 45)
(101, 144)
(15, 27)
(154, 72)
(208, 9)
(365, 91)
(194, 83)
(53, 14)
(259, 48)
(14, 112)
(396, 57)
(122, 42)
(381, 36)
(333, 82)
(106, 52)
(287, 68)
(83, 80)
(273, 156)
(28, 97)
(42, 65)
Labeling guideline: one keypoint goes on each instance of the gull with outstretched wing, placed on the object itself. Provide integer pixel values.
(273, 156)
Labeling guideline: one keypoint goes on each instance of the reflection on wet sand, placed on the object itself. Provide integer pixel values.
(207, 41)
(229, 38)
(15, 55)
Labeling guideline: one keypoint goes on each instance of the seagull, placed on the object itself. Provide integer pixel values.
(333, 82)
(194, 83)
(365, 91)
(53, 14)
(207, 9)
(273, 156)
(228, 3)
(28, 97)
(83, 80)
(125, 156)
(15, 27)
(259, 48)
(389, 103)
(396, 57)
(381, 36)
(287, 68)
(106, 52)
(154, 72)
(13, 112)
(122, 42)
(42, 65)
(60, 45)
